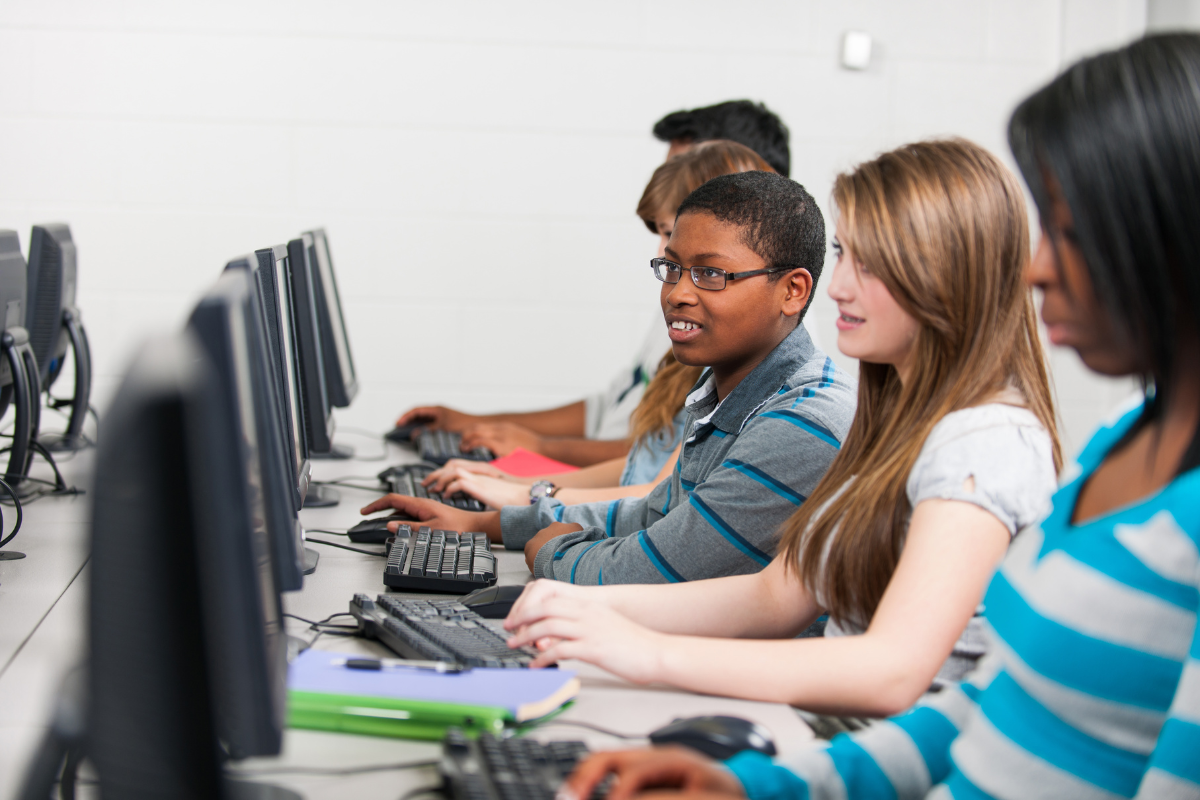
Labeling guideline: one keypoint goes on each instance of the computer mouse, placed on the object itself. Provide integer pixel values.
(374, 530)
(402, 434)
(716, 737)
(493, 602)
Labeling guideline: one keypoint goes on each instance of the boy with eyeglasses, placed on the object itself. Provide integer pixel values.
(766, 418)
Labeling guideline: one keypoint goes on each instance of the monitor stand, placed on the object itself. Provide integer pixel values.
(311, 557)
(337, 451)
(321, 496)
(73, 438)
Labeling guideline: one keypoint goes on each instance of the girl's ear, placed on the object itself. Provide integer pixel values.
(798, 285)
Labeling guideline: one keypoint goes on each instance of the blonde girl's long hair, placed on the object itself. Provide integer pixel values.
(671, 183)
(943, 225)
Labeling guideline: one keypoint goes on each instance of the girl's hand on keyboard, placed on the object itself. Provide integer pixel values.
(671, 767)
(529, 606)
(441, 477)
(571, 627)
(493, 492)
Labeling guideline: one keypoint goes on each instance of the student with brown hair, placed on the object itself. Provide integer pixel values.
(952, 452)
(656, 425)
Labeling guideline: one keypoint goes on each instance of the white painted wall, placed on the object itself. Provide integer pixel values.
(475, 163)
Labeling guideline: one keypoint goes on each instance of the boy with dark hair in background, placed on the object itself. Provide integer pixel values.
(741, 121)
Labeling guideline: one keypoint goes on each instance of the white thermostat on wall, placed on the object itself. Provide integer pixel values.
(856, 50)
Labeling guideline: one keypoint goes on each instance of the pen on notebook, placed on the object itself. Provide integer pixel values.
(396, 663)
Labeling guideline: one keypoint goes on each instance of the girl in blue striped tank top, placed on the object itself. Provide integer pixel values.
(1091, 685)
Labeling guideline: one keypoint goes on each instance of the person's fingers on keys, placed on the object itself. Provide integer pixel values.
(428, 416)
(529, 603)
(388, 501)
(589, 773)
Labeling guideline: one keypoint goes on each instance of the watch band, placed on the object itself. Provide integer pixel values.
(541, 489)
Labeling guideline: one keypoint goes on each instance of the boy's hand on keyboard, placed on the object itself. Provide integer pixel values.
(441, 477)
(552, 531)
(438, 516)
(500, 437)
(436, 418)
(671, 767)
(571, 627)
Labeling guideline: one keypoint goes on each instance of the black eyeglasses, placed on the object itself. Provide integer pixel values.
(709, 278)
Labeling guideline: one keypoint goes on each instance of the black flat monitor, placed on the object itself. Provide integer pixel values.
(19, 385)
(187, 662)
(214, 326)
(317, 411)
(273, 289)
(341, 381)
(50, 290)
(13, 277)
(54, 324)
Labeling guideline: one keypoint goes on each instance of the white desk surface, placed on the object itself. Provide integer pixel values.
(42, 624)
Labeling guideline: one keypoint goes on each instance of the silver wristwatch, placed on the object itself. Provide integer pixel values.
(540, 489)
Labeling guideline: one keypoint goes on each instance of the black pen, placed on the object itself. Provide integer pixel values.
(397, 663)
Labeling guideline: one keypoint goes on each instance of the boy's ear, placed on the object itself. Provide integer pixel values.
(798, 286)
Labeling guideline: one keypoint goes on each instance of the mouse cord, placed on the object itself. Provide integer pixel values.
(590, 726)
(347, 547)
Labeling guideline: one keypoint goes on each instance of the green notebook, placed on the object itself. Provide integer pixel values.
(420, 704)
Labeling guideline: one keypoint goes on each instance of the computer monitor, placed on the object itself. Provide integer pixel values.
(317, 411)
(53, 322)
(274, 301)
(273, 284)
(23, 390)
(187, 660)
(213, 325)
(341, 381)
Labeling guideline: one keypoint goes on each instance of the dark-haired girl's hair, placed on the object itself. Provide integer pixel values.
(1117, 138)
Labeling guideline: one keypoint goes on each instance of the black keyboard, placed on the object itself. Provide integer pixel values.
(508, 769)
(439, 447)
(406, 479)
(436, 630)
(438, 561)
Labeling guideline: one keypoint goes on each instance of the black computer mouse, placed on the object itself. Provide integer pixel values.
(493, 602)
(374, 530)
(402, 434)
(716, 737)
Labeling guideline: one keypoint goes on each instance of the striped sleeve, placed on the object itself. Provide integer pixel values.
(901, 758)
(1174, 768)
(725, 525)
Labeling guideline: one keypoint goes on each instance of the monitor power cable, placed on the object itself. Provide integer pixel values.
(341, 546)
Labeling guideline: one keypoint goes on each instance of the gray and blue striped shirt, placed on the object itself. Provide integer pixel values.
(747, 463)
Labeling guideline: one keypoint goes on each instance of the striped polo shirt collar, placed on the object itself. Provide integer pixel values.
(755, 389)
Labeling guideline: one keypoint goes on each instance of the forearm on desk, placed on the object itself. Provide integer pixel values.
(847, 675)
(743, 606)
(604, 474)
(568, 420)
(581, 452)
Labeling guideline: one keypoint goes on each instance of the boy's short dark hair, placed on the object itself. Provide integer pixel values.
(780, 220)
(742, 121)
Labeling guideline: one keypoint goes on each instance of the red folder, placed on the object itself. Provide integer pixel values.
(525, 464)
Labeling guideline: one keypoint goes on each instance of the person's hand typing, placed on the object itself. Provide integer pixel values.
(671, 767)
(438, 516)
(500, 437)
(436, 418)
(493, 492)
(563, 627)
(441, 477)
(545, 535)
